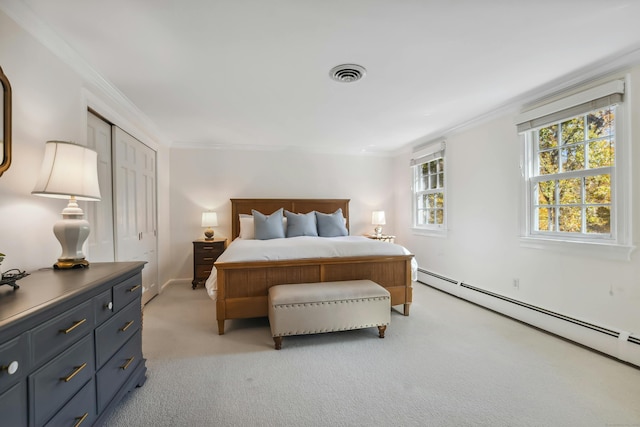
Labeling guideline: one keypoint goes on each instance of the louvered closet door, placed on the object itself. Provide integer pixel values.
(135, 200)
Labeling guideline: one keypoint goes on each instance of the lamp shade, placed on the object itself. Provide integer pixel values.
(377, 218)
(209, 219)
(68, 169)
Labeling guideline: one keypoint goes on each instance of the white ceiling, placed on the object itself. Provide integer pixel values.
(255, 73)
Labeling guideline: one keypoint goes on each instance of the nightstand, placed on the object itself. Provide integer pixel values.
(205, 253)
(381, 237)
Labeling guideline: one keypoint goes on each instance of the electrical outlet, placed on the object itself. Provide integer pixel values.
(516, 283)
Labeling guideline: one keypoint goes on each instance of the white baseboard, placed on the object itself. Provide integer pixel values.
(612, 342)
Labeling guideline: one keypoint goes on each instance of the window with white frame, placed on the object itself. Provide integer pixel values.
(429, 194)
(574, 178)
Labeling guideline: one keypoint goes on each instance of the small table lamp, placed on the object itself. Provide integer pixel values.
(69, 171)
(377, 219)
(209, 219)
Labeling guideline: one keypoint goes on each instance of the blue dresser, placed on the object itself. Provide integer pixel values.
(70, 344)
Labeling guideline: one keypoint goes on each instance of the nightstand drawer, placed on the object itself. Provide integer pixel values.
(209, 252)
(127, 291)
(14, 361)
(203, 271)
(117, 330)
(60, 332)
(116, 371)
(53, 384)
(79, 411)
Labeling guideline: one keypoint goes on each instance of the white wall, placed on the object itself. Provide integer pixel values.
(482, 246)
(50, 101)
(204, 179)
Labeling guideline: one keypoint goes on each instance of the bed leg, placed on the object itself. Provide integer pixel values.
(278, 342)
(406, 309)
(381, 330)
(221, 327)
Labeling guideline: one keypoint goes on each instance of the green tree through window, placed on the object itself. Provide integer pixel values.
(574, 161)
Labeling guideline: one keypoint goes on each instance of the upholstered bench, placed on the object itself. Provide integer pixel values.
(313, 308)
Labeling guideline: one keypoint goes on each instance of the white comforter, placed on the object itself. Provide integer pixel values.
(241, 250)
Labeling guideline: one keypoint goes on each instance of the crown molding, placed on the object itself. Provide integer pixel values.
(614, 63)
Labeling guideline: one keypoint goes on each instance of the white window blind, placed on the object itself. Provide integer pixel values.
(610, 93)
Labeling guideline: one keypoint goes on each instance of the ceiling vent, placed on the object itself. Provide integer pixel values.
(347, 73)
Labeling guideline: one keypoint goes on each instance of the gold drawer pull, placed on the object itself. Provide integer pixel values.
(75, 325)
(208, 259)
(74, 373)
(125, 327)
(207, 248)
(81, 419)
(135, 288)
(126, 365)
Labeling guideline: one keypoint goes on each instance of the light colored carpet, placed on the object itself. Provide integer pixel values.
(450, 363)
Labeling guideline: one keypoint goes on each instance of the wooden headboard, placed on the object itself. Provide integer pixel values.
(268, 206)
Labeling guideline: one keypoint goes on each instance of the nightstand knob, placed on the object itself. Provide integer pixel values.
(109, 306)
(12, 368)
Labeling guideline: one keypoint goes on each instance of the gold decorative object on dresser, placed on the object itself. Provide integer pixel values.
(70, 345)
(205, 253)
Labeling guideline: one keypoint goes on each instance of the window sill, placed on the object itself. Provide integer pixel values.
(429, 232)
(600, 250)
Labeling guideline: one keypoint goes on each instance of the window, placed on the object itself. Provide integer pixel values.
(571, 180)
(573, 173)
(429, 195)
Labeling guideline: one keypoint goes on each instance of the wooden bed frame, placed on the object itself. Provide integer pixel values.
(243, 286)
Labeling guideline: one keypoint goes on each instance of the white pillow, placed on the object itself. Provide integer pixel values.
(246, 227)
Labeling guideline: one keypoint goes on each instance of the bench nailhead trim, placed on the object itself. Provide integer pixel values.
(310, 304)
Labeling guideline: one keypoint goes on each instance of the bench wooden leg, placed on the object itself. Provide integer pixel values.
(381, 330)
(221, 327)
(406, 309)
(278, 342)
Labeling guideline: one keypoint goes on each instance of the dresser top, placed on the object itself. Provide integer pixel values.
(47, 287)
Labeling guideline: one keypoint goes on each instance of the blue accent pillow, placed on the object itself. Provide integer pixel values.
(268, 226)
(301, 224)
(331, 225)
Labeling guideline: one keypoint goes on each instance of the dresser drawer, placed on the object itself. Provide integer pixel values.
(56, 334)
(79, 411)
(14, 361)
(13, 406)
(116, 371)
(103, 306)
(53, 384)
(127, 291)
(111, 335)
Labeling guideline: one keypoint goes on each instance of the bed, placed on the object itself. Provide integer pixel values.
(240, 288)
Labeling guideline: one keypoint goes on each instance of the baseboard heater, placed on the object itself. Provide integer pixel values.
(591, 326)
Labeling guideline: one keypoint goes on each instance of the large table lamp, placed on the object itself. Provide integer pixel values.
(69, 171)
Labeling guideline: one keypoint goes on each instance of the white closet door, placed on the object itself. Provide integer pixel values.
(147, 221)
(128, 239)
(100, 246)
(135, 190)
